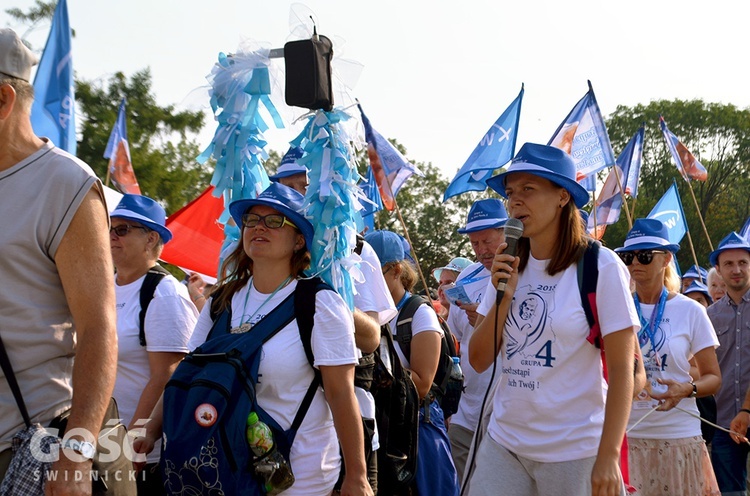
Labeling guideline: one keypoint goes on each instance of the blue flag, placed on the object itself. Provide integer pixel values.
(745, 231)
(53, 111)
(370, 188)
(497, 147)
(630, 161)
(390, 167)
(118, 152)
(669, 210)
(584, 136)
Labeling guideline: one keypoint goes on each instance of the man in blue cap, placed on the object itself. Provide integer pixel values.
(731, 319)
(58, 305)
(291, 173)
(484, 227)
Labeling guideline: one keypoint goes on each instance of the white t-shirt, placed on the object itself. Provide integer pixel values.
(372, 295)
(285, 377)
(549, 404)
(684, 330)
(475, 384)
(169, 322)
(425, 320)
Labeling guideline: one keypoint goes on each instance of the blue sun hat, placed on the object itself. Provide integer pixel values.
(699, 287)
(648, 234)
(485, 214)
(456, 265)
(732, 241)
(547, 162)
(145, 211)
(282, 198)
(696, 272)
(387, 245)
(289, 165)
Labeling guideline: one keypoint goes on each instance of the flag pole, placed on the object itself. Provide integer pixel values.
(106, 180)
(697, 209)
(408, 239)
(692, 248)
(624, 200)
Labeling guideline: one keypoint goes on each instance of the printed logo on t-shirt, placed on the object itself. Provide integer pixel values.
(654, 360)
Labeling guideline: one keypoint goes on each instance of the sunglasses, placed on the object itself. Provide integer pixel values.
(644, 257)
(124, 229)
(271, 221)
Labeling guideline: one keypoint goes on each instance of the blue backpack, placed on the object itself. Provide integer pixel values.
(212, 391)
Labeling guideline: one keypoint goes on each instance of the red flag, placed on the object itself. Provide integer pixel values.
(198, 236)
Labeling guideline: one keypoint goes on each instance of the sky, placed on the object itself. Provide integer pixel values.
(435, 75)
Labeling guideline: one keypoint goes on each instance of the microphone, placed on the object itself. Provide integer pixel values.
(513, 232)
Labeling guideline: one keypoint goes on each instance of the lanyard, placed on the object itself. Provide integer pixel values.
(268, 298)
(470, 278)
(402, 301)
(656, 314)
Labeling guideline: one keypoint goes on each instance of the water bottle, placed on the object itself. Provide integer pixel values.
(270, 466)
(456, 372)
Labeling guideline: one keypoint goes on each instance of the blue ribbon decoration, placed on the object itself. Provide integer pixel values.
(240, 86)
(333, 200)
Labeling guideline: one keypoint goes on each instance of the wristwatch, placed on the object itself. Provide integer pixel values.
(83, 448)
(695, 390)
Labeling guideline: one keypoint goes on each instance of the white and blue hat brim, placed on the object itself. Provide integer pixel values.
(577, 192)
(648, 243)
(287, 170)
(481, 225)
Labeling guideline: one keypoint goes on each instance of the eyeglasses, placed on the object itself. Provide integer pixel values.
(271, 221)
(124, 229)
(644, 257)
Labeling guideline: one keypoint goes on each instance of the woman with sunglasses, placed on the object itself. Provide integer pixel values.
(150, 343)
(667, 453)
(261, 272)
(556, 427)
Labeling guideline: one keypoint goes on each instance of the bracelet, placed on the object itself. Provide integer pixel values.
(745, 410)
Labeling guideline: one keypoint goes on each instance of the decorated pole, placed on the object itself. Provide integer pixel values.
(624, 200)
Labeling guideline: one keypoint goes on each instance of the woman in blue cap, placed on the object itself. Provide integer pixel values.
(260, 274)
(556, 427)
(667, 453)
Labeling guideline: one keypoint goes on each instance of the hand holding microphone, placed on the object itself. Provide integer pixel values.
(513, 232)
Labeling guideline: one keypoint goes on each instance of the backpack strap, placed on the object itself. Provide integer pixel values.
(588, 276)
(304, 310)
(153, 277)
(403, 324)
(13, 383)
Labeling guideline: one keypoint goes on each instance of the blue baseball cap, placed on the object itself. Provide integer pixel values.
(547, 162)
(731, 241)
(146, 211)
(696, 272)
(388, 246)
(485, 214)
(648, 234)
(282, 198)
(289, 165)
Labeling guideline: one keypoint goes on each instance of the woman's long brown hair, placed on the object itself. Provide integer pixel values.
(238, 268)
(570, 246)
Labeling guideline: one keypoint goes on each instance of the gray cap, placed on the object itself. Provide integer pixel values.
(16, 59)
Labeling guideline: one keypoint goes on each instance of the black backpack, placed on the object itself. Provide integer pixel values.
(153, 277)
(445, 388)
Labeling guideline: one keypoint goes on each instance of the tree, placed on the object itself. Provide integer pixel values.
(719, 137)
(163, 156)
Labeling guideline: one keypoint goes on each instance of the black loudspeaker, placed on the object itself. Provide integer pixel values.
(308, 73)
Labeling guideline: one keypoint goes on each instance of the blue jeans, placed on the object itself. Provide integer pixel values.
(730, 464)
